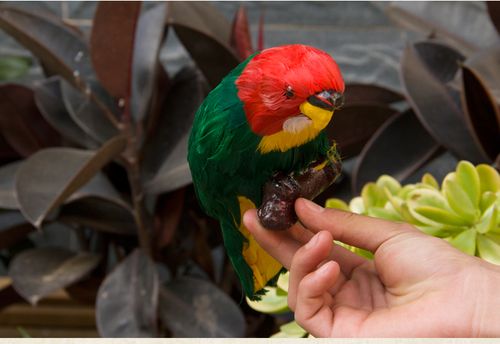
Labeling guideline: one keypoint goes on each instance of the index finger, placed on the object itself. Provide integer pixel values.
(353, 229)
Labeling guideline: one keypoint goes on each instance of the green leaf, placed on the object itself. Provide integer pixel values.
(439, 215)
(290, 330)
(465, 241)
(428, 179)
(283, 281)
(487, 199)
(468, 178)
(359, 251)
(51, 175)
(488, 249)
(394, 201)
(428, 197)
(385, 181)
(489, 221)
(407, 215)
(271, 302)
(373, 196)
(383, 213)
(489, 178)
(458, 199)
(405, 190)
(435, 231)
(13, 67)
(336, 203)
(357, 205)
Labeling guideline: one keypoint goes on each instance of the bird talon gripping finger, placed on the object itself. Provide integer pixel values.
(266, 118)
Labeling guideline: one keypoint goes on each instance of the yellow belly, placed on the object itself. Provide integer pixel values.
(264, 267)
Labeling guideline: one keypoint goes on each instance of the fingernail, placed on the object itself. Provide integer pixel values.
(313, 207)
(323, 269)
(312, 242)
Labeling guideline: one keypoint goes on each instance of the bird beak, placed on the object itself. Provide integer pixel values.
(329, 100)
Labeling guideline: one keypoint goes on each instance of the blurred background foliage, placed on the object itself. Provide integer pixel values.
(96, 104)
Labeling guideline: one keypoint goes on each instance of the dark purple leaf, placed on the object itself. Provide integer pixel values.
(14, 228)
(435, 104)
(112, 46)
(398, 148)
(50, 176)
(21, 123)
(191, 307)
(356, 94)
(37, 273)
(205, 33)
(127, 300)
(260, 38)
(481, 112)
(49, 99)
(438, 167)
(353, 126)
(441, 61)
(100, 187)
(241, 40)
(494, 12)
(7, 154)
(60, 49)
(165, 153)
(486, 64)
(86, 113)
(417, 16)
(168, 211)
(99, 214)
(146, 66)
(9, 296)
(8, 199)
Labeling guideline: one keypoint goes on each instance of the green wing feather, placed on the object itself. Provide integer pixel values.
(225, 164)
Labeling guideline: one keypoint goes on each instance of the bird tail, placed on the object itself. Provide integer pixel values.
(254, 266)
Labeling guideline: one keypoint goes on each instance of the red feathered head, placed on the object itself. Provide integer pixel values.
(278, 80)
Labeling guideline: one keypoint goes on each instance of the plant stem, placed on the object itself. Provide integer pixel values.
(143, 219)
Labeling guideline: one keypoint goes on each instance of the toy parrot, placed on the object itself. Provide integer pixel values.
(266, 116)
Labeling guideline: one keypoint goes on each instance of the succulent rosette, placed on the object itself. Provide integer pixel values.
(463, 210)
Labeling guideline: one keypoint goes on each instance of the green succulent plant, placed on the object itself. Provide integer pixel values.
(464, 210)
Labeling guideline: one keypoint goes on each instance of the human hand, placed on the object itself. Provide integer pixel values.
(416, 285)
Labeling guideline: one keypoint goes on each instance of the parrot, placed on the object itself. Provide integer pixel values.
(267, 115)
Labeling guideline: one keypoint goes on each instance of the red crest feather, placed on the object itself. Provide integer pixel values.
(275, 82)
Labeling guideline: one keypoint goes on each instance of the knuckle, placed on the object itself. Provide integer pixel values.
(406, 227)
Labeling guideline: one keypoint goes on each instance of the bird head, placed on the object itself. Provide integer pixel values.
(291, 90)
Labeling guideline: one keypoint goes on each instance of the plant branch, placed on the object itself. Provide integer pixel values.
(142, 218)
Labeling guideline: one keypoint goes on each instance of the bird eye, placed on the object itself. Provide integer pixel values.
(289, 92)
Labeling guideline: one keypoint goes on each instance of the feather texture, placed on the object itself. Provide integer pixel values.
(228, 171)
